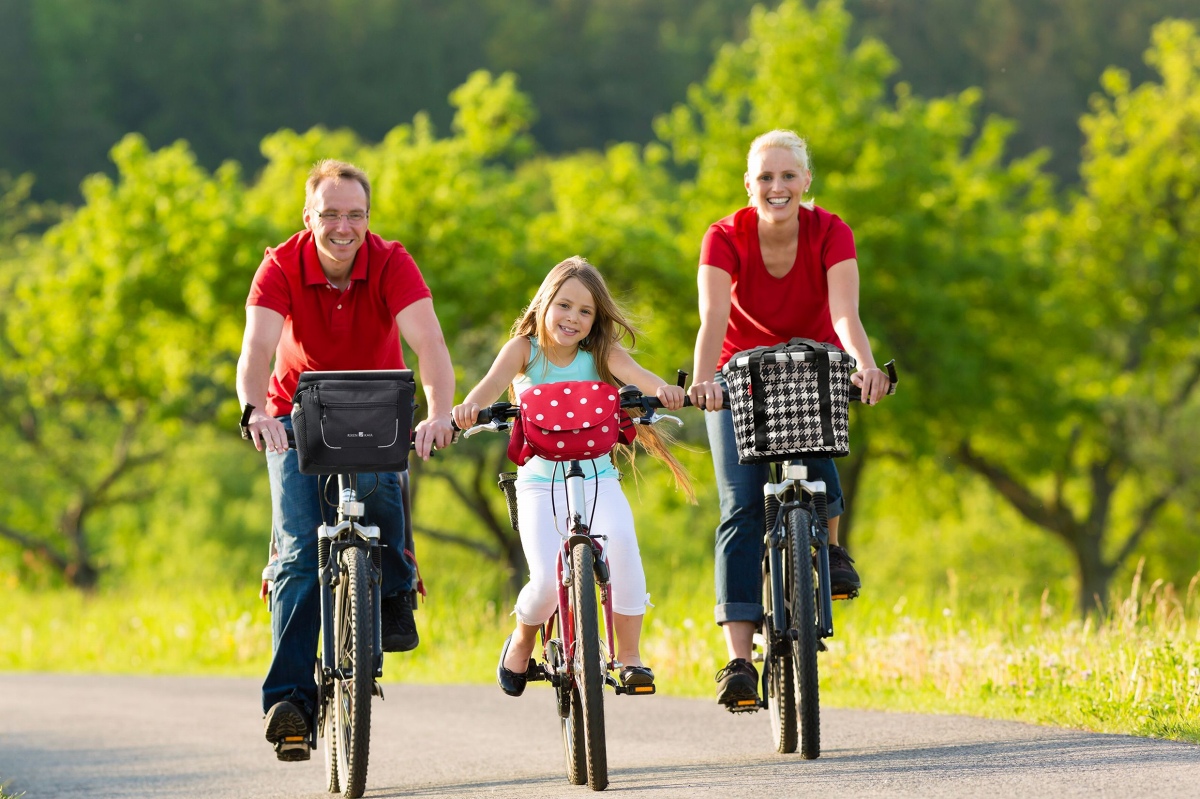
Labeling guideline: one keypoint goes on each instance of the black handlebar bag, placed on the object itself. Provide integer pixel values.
(357, 421)
(790, 401)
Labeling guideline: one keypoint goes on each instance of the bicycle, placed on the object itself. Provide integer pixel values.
(796, 587)
(576, 660)
(351, 648)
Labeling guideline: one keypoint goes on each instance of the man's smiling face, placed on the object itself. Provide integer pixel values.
(337, 216)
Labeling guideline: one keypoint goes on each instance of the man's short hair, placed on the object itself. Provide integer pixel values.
(336, 171)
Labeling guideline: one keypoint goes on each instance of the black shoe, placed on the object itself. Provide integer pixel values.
(287, 729)
(737, 684)
(843, 579)
(510, 682)
(636, 675)
(399, 626)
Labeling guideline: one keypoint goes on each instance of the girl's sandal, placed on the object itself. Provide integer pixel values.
(636, 675)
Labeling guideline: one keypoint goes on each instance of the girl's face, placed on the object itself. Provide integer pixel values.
(776, 183)
(570, 315)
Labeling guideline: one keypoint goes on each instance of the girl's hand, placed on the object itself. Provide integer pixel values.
(465, 415)
(706, 395)
(671, 397)
(873, 383)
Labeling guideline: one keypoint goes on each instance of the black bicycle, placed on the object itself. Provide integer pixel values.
(797, 602)
(350, 574)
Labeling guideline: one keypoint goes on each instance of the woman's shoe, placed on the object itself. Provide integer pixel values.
(510, 682)
(636, 675)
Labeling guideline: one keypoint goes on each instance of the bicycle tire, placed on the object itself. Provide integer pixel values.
(588, 667)
(354, 620)
(778, 675)
(801, 597)
(328, 730)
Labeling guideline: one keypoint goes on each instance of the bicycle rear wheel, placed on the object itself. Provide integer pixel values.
(353, 685)
(800, 596)
(777, 672)
(588, 667)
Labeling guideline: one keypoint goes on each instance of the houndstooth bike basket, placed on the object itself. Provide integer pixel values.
(790, 401)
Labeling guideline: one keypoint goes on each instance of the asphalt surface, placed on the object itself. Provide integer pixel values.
(66, 736)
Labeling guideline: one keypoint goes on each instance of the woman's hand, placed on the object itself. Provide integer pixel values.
(873, 383)
(465, 415)
(707, 395)
(671, 397)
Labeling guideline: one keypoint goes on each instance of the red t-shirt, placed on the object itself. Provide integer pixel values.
(767, 310)
(318, 331)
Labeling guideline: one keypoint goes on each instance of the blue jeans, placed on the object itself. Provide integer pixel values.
(739, 549)
(297, 509)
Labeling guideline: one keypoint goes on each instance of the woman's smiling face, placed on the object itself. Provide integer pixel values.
(776, 183)
(569, 316)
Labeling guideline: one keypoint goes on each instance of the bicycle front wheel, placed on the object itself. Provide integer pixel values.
(801, 599)
(589, 669)
(778, 673)
(353, 684)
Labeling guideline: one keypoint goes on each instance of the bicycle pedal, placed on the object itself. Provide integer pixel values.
(377, 689)
(743, 706)
(292, 749)
(847, 595)
(637, 690)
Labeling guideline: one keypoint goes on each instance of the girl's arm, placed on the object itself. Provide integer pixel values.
(716, 287)
(630, 372)
(843, 310)
(508, 364)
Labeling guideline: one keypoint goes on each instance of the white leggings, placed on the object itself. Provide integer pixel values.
(542, 536)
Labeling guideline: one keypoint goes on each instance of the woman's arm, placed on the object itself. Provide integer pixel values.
(716, 287)
(843, 310)
(508, 364)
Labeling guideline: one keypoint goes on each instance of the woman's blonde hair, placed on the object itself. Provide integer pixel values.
(610, 327)
(782, 139)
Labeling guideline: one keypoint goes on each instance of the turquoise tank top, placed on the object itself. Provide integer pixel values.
(539, 370)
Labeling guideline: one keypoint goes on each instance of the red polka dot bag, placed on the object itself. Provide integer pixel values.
(573, 420)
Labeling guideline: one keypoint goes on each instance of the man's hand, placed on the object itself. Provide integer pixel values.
(267, 432)
(435, 433)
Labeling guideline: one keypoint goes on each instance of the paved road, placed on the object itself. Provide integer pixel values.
(85, 736)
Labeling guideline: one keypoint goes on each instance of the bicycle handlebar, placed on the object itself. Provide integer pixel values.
(244, 424)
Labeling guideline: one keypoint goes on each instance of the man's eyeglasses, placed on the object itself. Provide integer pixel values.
(332, 217)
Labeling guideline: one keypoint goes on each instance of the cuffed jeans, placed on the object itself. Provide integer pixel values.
(297, 509)
(739, 546)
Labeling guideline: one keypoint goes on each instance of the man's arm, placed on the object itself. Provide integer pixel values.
(263, 329)
(420, 329)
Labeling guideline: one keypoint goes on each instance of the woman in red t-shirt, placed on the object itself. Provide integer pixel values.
(777, 269)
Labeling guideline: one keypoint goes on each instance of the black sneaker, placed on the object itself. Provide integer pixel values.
(399, 626)
(287, 729)
(737, 684)
(843, 579)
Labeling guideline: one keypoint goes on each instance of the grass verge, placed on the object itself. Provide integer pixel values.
(1136, 671)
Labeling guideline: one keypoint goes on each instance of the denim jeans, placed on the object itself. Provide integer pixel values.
(297, 509)
(739, 548)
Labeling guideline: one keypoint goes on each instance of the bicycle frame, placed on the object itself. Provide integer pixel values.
(792, 489)
(332, 540)
(579, 532)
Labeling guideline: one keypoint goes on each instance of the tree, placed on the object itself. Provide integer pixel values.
(1120, 326)
(117, 339)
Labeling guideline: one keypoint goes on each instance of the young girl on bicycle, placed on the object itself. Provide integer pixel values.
(573, 330)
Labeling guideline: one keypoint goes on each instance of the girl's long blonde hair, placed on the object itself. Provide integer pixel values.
(610, 327)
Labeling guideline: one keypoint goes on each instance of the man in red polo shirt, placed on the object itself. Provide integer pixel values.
(332, 297)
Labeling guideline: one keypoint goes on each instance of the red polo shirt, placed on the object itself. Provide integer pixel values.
(767, 310)
(328, 329)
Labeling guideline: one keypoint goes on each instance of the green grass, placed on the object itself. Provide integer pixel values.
(1136, 672)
